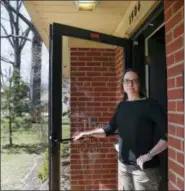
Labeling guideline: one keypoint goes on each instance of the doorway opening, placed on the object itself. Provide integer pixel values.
(149, 58)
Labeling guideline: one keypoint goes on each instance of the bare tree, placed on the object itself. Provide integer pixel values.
(17, 40)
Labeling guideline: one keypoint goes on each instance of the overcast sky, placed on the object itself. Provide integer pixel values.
(6, 49)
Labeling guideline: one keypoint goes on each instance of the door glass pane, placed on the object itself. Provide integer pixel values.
(91, 78)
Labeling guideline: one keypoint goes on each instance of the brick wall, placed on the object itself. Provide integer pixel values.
(174, 26)
(94, 77)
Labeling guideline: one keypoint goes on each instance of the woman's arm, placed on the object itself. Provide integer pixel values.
(99, 133)
(158, 148)
(158, 116)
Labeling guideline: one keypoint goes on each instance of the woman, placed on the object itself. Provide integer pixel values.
(141, 123)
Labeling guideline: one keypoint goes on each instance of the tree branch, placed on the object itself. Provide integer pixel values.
(12, 21)
(20, 4)
(6, 33)
(23, 41)
(15, 36)
(5, 19)
(29, 23)
(6, 60)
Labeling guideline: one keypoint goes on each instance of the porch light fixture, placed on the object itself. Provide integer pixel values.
(86, 5)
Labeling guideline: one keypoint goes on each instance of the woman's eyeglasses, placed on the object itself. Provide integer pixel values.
(133, 81)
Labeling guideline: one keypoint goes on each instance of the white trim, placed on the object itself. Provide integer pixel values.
(146, 54)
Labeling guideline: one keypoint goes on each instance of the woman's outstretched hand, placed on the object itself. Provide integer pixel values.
(79, 135)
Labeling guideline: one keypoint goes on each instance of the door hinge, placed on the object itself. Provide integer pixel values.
(147, 60)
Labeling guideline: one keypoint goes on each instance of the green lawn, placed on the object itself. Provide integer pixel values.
(17, 161)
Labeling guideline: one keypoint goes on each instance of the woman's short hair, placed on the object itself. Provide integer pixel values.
(141, 93)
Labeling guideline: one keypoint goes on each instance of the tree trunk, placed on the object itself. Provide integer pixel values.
(36, 77)
(17, 58)
(10, 131)
(10, 116)
(16, 48)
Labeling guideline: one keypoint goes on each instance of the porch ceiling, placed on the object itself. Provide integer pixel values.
(110, 17)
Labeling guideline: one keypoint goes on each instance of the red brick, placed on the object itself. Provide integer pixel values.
(109, 74)
(83, 49)
(171, 106)
(179, 55)
(180, 158)
(77, 63)
(85, 58)
(94, 53)
(112, 54)
(171, 153)
(102, 89)
(180, 183)
(85, 99)
(83, 69)
(179, 30)
(77, 73)
(172, 22)
(179, 4)
(168, 14)
(84, 78)
(108, 64)
(176, 118)
(180, 106)
(175, 70)
(77, 53)
(77, 187)
(182, 146)
(176, 168)
(101, 79)
(108, 94)
(175, 45)
(77, 94)
(175, 94)
(101, 99)
(171, 130)
(171, 186)
(170, 60)
(108, 50)
(101, 58)
(179, 81)
(73, 99)
(171, 83)
(172, 176)
(176, 143)
(73, 49)
(180, 132)
(94, 73)
(93, 63)
(168, 38)
(167, 4)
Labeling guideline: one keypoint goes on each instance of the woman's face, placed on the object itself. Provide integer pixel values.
(131, 83)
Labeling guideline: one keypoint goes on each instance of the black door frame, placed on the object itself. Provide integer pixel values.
(57, 31)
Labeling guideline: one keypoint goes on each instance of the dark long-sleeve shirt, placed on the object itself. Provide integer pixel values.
(140, 124)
